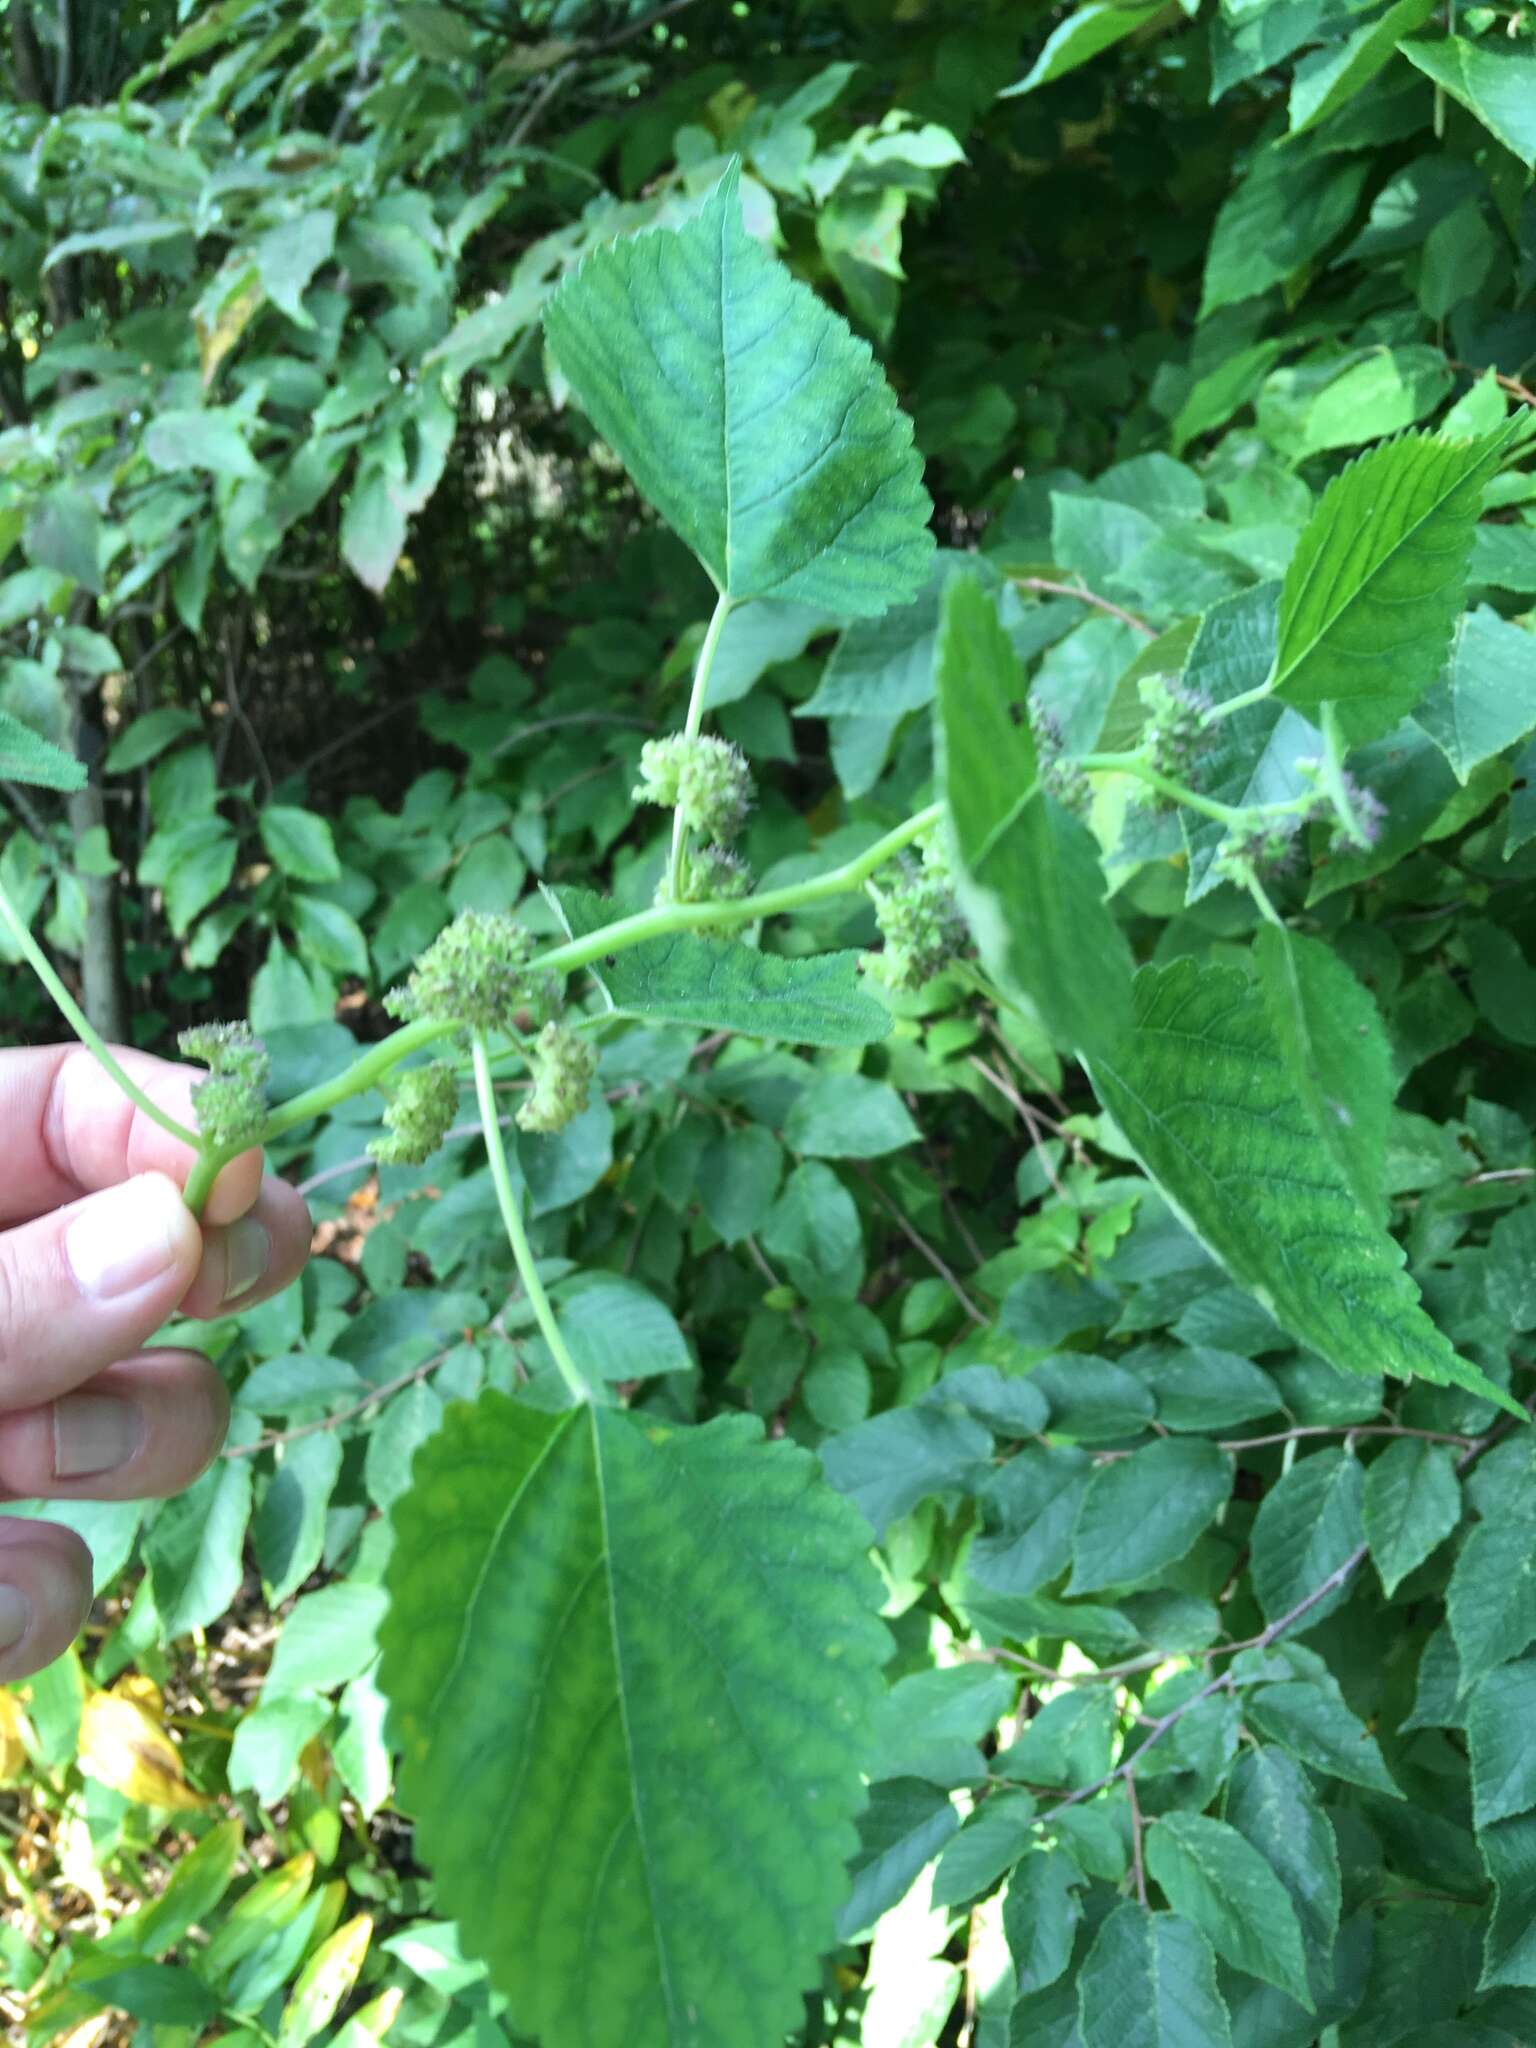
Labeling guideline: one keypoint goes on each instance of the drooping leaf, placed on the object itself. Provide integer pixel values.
(1149, 1981)
(1040, 1918)
(1326, 79)
(1508, 1850)
(720, 984)
(1242, 1158)
(1271, 1803)
(1030, 880)
(599, 1658)
(1485, 698)
(1498, 1741)
(748, 413)
(1084, 33)
(1376, 582)
(1491, 1600)
(1310, 1718)
(1289, 206)
(1213, 1876)
(1308, 1524)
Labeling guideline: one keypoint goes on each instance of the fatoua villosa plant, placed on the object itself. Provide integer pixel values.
(632, 1666)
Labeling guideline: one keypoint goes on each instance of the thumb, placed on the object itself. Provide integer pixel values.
(90, 1284)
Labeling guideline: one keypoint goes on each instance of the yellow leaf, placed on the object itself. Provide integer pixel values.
(16, 1738)
(324, 1982)
(227, 308)
(124, 1747)
(379, 2014)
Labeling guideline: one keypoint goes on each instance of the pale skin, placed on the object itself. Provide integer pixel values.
(97, 1252)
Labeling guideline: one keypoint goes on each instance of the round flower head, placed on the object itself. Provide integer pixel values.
(706, 780)
(920, 922)
(562, 1064)
(419, 1114)
(231, 1102)
(711, 874)
(477, 973)
(1060, 775)
(1176, 729)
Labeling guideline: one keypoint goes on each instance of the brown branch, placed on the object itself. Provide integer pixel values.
(921, 1245)
(1047, 588)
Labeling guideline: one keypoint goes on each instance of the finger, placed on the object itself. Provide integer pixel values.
(70, 1130)
(254, 1258)
(144, 1428)
(45, 1595)
(90, 1284)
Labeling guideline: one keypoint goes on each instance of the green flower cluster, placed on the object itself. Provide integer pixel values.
(920, 922)
(478, 973)
(562, 1064)
(418, 1115)
(231, 1103)
(1176, 731)
(711, 874)
(707, 781)
(1060, 775)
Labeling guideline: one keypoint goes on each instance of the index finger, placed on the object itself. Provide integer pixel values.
(68, 1130)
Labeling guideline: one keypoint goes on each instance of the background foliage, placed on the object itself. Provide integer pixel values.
(1210, 1680)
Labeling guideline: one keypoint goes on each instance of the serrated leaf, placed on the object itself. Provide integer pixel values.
(36, 762)
(1149, 1981)
(1376, 582)
(666, 1773)
(1499, 1716)
(1242, 1159)
(1333, 1042)
(300, 842)
(748, 413)
(1310, 1719)
(1485, 698)
(891, 1462)
(1412, 1503)
(849, 1116)
(1508, 1850)
(1271, 1803)
(723, 985)
(1496, 81)
(1326, 79)
(1285, 211)
(1029, 875)
(1031, 1505)
(1217, 1879)
(1143, 1513)
(904, 1826)
(1491, 1601)
(1308, 1524)
(1040, 1918)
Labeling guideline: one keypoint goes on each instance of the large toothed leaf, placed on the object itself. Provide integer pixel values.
(26, 757)
(1376, 582)
(749, 414)
(720, 984)
(1028, 871)
(1205, 1093)
(631, 1669)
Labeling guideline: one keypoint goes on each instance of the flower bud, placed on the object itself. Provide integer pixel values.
(562, 1064)
(231, 1103)
(706, 780)
(418, 1114)
(477, 973)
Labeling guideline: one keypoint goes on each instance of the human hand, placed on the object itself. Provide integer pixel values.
(97, 1250)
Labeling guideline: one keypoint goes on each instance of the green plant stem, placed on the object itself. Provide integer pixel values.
(1260, 895)
(517, 1236)
(363, 1073)
(669, 918)
(82, 1027)
(1133, 764)
(1333, 775)
(697, 699)
(1240, 702)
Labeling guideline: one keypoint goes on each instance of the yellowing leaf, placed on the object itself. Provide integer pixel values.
(324, 1982)
(16, 1738)
(124, 1747)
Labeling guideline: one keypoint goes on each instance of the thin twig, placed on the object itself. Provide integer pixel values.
(920, 1244)
(1026, 1115)
(1103, 604)
(370, 1400)
(1137, 1865)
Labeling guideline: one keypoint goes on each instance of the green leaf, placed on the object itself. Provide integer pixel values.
(64, 533)
(1509, 1945)
(1485, 699)
(1325, 79)
(1247, 1166)
(300, 842)
(990, 1842)
(1083, 34)
(211, 440)
(737, 1178)
(1028, 871)
(930, 1723)
(193, 1548)
(1391, 389)
(748, 414)
(1309, 1523)
(1149, 1981)
(887, 1465)
(328, 935)
(1376, 581)
(849, 1116)
(1499, 1742)
(1291, 204)
(37, 763)
(617, 1330)
(1309, 1718)
(1143, 1513)
(1333, 1042)
(289, 1529)
(373, 527)
(148, 737)
(329, 1637)
(1271, 1803)
(723, 985)
(1070, 1741)
(1412, 1503)
(1217, 1879)
(1496, 81)
(567, 1631)
(1491, 1600)
(264, 1756)
(904, 1826)
(1041, 1915)
(1031, 1505)
(288, 256)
